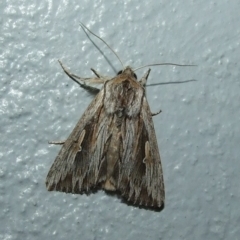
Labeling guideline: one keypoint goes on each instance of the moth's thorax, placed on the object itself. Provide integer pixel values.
(123, 94)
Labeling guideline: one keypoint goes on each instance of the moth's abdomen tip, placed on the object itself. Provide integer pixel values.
(108, 186)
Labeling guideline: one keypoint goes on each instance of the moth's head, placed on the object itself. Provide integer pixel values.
(128, 71)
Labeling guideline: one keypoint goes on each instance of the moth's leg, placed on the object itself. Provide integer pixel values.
(156, 113)
(97, 74)
(56, 142)
(143, 80)
(100, 78)
(75, 79)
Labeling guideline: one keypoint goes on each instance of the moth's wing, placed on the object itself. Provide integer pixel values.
(141, 178)
(77, 167)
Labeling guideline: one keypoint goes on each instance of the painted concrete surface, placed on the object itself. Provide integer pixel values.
(198, 130)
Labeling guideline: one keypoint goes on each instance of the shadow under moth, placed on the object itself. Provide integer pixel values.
(113, 146)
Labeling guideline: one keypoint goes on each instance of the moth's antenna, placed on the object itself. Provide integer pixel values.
(83, 26)
(160, 64)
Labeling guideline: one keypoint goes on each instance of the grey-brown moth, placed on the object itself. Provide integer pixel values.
(113, 146)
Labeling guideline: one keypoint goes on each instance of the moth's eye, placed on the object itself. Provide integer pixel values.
(134, 74)
(120, 72)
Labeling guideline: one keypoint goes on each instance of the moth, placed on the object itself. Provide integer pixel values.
(113, 146)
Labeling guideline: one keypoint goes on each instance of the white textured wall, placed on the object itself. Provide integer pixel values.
(198, 131)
